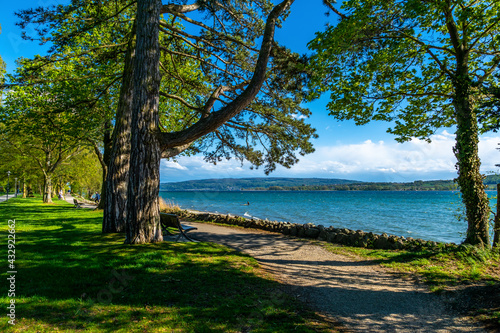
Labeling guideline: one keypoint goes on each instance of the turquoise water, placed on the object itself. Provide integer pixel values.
(433, 215)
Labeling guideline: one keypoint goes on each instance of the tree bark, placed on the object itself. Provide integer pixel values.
(496, 227)
(115, 196)
(47, 188)
(143, 212)
(143, 220)
(106, 156)
(469, 178)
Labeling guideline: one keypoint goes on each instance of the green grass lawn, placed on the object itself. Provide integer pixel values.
(72, 278)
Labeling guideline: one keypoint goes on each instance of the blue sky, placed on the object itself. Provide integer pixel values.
(343, 150)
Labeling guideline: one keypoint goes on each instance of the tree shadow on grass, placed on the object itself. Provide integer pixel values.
(161, 285)
(72, 277)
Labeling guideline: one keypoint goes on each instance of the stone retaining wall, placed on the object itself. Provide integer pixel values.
(341, 236)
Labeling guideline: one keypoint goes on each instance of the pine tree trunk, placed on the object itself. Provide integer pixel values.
(143, 213)
(24, 188)
(469, 178)
(115, 196)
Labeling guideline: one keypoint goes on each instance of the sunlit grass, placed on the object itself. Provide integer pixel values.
(72, 278)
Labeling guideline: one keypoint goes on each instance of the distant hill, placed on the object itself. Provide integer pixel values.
(313, 184)
(492, 180)
(238, 184)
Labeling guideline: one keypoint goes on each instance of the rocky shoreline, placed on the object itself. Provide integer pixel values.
(342, 236)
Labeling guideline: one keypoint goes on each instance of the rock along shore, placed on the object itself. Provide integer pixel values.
(343, 236)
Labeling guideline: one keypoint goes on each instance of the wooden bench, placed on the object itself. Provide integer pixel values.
(77, 204)
(172, 221)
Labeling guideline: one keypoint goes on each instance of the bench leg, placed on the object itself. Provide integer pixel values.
(182, 233)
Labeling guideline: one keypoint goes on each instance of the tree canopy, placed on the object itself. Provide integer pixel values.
(208, 52)
(2, 72)
(421, 65)
(219, 93)
(396, 61)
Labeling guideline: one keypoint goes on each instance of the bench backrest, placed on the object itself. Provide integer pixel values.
(169, 220)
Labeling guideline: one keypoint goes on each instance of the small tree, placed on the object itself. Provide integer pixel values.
(30, 127)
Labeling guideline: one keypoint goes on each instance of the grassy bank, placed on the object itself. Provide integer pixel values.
(72, 278)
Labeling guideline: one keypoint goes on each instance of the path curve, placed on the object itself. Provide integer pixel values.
(359, 294)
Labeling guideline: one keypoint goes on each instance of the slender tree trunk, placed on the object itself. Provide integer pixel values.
(47, 188)
(143, 212)
(469, 178)
(24, 188)
(496, 236)
(115, 196)
(106, 156)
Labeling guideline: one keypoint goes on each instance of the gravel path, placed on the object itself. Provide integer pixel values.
(359, 294)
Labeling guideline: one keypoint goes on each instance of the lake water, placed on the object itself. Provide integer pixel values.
(430, 215)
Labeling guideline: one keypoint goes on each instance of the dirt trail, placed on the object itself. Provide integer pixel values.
(359, 294)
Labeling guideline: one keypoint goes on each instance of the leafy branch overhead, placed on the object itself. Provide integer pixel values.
(205, 65)
(397, 60)
(420, 65)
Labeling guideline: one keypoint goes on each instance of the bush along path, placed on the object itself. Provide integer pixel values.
(359, 293)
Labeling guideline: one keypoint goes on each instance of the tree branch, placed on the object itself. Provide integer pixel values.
(216, 119)
(217, 33)
(180, 99)
(178, 9)
(488, 72)
(486, 31)
(329, 5)
(201, 60)
(185, 34)
(171, 152)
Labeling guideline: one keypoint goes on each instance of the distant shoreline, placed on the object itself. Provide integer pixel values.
(315, 184)
(246, 190)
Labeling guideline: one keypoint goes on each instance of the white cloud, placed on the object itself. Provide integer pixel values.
(415, 159)
(295, 116)
(172, 165)
(368, 160)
